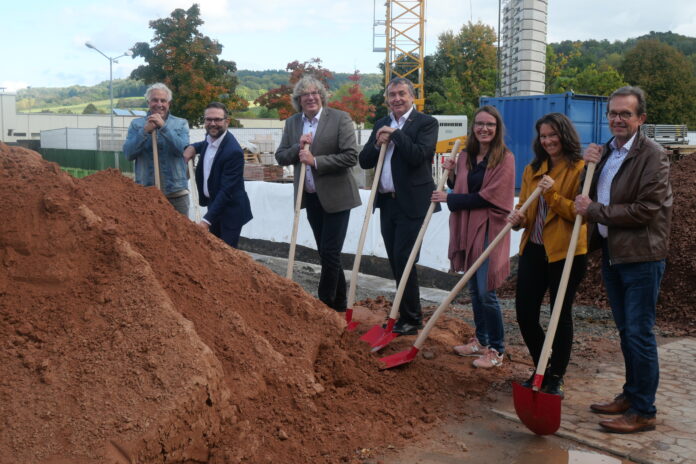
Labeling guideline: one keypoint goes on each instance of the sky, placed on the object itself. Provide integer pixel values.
(43, 41)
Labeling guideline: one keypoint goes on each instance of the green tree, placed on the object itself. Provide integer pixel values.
(188, 63)
(467, 60)
(452, 101)
(594, 81)
(667, 77)
(90, 109)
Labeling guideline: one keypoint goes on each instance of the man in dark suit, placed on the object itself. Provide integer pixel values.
(405, 187)
(324, 140)
(220, 177)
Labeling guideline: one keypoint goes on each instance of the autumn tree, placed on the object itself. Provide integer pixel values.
(355, 103)
(280, 98)
(188, 63)
(464, 66)
(667, 77)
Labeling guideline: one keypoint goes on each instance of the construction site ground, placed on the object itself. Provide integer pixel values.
(494, 433)
(129, 334)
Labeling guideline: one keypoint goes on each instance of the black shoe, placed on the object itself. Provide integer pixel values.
(407, 328)
(530, 381)
(553, 386)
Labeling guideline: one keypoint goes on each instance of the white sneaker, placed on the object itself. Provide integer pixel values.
(473, 348)
(491, 358)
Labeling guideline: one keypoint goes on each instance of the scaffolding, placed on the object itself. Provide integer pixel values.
(403, 33)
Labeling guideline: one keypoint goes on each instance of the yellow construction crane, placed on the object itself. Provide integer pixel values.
(404, 34)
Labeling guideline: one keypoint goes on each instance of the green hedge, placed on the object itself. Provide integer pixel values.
(88, 160)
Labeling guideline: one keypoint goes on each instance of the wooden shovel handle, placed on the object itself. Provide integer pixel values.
(194, 192)
(470, 273)
(366, 223)
(421, 234)
(155, 160)
(296, 222)
(563, 285)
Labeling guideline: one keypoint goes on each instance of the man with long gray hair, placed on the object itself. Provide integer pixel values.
(172, 138)
(324, 140)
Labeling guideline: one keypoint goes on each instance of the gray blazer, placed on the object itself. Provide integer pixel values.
(336, 153)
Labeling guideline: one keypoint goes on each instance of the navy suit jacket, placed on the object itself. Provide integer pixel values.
(228, 203)
(411, 162)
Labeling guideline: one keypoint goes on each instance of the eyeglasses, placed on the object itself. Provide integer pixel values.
(487, 125)
(213, 120)
(307, 94)
(624, 115)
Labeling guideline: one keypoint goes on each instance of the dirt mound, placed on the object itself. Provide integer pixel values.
(130, 335)
(676, 307)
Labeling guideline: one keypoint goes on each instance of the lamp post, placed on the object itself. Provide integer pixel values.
(112, 60)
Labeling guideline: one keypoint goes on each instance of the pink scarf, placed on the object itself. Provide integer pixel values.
(468, 227)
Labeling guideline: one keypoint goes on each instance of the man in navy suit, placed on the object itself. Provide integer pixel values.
(220, 177)
(405, 187)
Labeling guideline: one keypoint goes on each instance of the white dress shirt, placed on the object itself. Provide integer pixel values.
(310, 126)
(386, 181)
(210, 152)
(611, 167)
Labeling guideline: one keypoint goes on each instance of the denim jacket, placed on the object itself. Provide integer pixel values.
(171, 141)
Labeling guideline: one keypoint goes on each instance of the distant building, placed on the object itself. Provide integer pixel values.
(523, 47)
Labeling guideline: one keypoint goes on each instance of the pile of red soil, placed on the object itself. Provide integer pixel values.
(129, 334)
(676, 308)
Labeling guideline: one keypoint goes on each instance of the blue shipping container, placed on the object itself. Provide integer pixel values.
(521, 113)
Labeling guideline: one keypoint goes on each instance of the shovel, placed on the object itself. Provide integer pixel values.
(194, 192)
(541, 412)
(407, 356)
(358, 253)
(296, 222)
(155, 160)
(378, 337)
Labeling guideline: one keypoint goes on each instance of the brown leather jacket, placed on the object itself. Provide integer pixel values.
(640, 211)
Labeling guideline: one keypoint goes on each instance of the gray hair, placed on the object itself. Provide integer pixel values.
(158, 86)
(627, 91)
(401, 80)
(303, 85)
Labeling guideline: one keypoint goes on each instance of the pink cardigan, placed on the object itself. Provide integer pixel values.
(468, 227)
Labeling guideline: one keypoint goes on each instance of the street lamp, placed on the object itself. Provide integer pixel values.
(112, 60)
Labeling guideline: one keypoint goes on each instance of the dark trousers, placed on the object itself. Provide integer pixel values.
(399, 233)
(228, 235)
(632, 289)
(534, 276)
(329, 232)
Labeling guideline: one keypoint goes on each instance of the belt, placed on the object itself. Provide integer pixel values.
(388, 194)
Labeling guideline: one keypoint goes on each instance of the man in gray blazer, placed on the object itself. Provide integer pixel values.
(324, 140)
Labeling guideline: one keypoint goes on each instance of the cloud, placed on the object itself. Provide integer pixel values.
(13, 86)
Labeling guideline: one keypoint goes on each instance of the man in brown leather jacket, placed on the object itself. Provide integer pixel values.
(629, 212)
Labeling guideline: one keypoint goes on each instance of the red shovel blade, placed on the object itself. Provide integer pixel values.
(540, 412)
(352, 325)
(383, 341)
(376, 333)
(402, 357)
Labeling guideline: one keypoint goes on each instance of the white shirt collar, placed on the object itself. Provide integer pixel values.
(214, 143)
(402, 118)
(317, 116)
(626, 146)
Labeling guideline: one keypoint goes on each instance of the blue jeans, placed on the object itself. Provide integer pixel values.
(488, 318)
(632, 289)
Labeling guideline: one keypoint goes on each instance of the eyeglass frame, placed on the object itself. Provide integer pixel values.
(487, 125)
(214, 120)
(623, 115)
